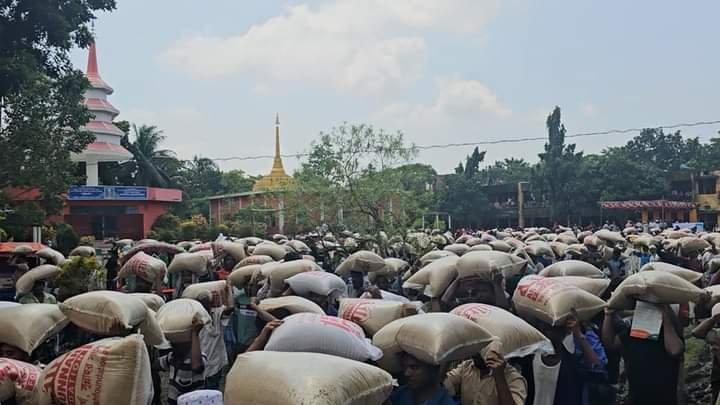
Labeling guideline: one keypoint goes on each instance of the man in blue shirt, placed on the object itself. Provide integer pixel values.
(423, 384)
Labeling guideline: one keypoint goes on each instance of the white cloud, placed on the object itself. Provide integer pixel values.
(353, 45)
(455, 99)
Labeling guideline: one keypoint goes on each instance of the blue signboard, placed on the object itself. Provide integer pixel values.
(107, 193)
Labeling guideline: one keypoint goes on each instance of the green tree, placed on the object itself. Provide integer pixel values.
(236, 181)
(461, 194)
(507, 171)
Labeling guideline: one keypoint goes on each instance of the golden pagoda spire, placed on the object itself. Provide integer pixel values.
(277, 179)
(277, 168)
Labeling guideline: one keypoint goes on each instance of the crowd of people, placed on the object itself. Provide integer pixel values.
(595, 359)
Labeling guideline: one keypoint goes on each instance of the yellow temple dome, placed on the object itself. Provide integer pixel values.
(277, 179)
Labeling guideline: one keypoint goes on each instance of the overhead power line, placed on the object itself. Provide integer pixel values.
(498, 141)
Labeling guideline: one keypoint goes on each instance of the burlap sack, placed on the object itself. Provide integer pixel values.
(273, 250)
(363, 261)
(241, 276)
(483, 264)
(152, 301)
(572, 268)
(659, 287)
(474, 241)
(714, 292)
(592, 240)
(317, 282)
(501, 246)
(299, 246)
(582, 235)
(82, 251)
(434, 338)
(692, 245)
(254, 259)
(108, 371)
(27, 326)
(283, 271)
(595, 286)
(43, 272)
(370, 314)
(517, 337)
(17, 381)
(685, 274)
(177, 316)
(234, 249)
(438, 275)
(220, 292)
(481, 248)
(105, 313)
(197, 263)
(558, 249)
(272, 378)
(609, 236)
(313, 333)
(146, 267)
(457, 248)
(292, 304)
(150, 248)
(395, 266)
(567, 238)
(200, 247)
(23, 250)
(540, 249)
(434, 255)
(552, 301)
(51, 256)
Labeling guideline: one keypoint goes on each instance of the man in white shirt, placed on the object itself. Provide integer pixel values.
(212, 341)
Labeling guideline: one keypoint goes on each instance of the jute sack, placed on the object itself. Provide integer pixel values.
(434, 255)
(27, 326)
(474, 241)
(176, 319)
(317, 282)
(23, 250)
(434, 338)
(285, 270)
(313, 333)
(51, 256)
(220, 292)
(483, 264)
(105, 313)
(714, 292)
(299, 246)
(518, 338)
(370, 314)
(481, 248)
(500, 246)
(685, 274)
(609, 236)
(363, 261)
(457, 248)
(146, 267)
(558, 248)
(234, 249)
(552, 301)
(692, 244)
(292, 304)
(592, 240)
(582, 235)
(108, 371)
(567, 238)
(658, 287)
(43, 272)
(152, 301)
(17, 381)
(197, 263)
(271, 249)
(438, 275)
(595, 286)
(82, 251)
(540, 249)
(274, 378)
(394, 266)
(254, 259)
(241, 276)
(201, 247)
(572, 268)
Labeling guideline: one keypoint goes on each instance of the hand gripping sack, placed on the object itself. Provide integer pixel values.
(685, 274)
(108, 371)
(595, 286)
(658, 287)
(17, 381)
(293, 304)
(518, 338)
(457, 248)
(483, 264)
(572, 268)
(285, 270)
(254, 259)
(433, 338)
(220, 292)
(105, 313)
(51, 256)
(324, 334)
(363, 261)
(146, 267)
(241, 276)
(271, 249)
(370, 314)
(438, 275)
(552, 301)
(317, 282)
(274, 378)
(29, 325)
(152, 301)
(43, 272)
(196, 262)
(177, 316)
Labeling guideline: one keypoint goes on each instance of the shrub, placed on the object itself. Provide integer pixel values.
(67, 239)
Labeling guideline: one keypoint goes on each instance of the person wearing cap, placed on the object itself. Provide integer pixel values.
(487, 379)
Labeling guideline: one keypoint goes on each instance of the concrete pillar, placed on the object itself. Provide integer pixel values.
(91, 173)
(693, 215)
(644, 216)
(281, 215)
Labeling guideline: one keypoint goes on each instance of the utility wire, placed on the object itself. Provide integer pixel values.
(496, 142)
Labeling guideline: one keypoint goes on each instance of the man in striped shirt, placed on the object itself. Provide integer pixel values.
(185, 365)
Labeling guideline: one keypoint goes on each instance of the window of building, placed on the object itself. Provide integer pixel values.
(706, 186)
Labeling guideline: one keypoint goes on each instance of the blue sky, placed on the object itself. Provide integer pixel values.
(442, 71)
